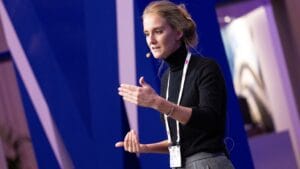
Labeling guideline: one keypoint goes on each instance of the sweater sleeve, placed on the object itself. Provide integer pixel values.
(209, 114)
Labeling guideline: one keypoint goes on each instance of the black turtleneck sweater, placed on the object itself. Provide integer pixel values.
(204, 91)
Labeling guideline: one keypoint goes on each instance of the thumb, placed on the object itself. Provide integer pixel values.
(119, 144)
(143, 82)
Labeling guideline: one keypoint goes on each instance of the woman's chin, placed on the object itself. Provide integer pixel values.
(158, 56)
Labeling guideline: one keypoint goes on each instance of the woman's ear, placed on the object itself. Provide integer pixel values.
(179, 35)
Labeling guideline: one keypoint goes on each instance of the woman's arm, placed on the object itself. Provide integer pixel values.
(180, 113)
(131, 144)
(145, 95)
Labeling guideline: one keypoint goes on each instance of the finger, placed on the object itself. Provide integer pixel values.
(127, 87)
(126, 141)
(130, 93)
(142, 81)
(131, 142)
(130, 99)
(126, 94)
(119, 144)
(136, 142)
(124, 90)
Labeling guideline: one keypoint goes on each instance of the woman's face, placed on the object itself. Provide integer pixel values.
(161, 38)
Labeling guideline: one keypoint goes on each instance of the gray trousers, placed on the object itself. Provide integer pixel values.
(207, 161)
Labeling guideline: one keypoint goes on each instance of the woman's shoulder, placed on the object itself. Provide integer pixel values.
(205, 67)
(202, 62)
(164, 75)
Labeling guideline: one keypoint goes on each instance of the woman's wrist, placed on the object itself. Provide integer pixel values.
(158, 101)
(180, 113)
(144, 148)
(171, 110)
(164, 106)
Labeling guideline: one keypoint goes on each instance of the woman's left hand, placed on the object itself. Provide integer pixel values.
(143, 95)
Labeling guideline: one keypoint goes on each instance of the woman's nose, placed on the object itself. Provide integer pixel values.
(152, 39)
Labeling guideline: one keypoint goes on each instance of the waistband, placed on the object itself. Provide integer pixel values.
(202, 155)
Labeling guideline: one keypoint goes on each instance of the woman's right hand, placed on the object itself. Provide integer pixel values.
(131, 143)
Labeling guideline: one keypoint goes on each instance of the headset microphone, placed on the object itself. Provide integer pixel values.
(148, 55)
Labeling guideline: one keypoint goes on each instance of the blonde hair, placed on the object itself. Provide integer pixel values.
(178, 18)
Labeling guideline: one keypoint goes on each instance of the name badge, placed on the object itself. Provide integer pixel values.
(175, 156)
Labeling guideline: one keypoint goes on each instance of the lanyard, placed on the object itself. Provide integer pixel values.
(186, 64)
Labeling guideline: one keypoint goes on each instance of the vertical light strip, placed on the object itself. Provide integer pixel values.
(126, 52)
(289, 98)
(34, 91)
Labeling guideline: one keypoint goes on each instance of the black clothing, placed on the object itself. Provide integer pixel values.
(204, 91)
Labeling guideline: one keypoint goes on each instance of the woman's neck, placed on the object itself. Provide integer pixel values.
(177, 58)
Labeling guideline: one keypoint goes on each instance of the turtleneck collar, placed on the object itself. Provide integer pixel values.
(177, 58)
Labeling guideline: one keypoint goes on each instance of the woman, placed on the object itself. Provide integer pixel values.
(193, 95)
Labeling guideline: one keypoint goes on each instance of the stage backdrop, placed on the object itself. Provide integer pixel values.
(72, 55)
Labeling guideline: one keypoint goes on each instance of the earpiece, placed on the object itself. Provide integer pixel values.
(148, 55)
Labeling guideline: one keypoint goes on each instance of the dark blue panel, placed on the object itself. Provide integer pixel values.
(43, 152)
(105, 104)
(63, 23)
(53, 82)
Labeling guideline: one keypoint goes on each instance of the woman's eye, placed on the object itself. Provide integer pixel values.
(158, 31)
